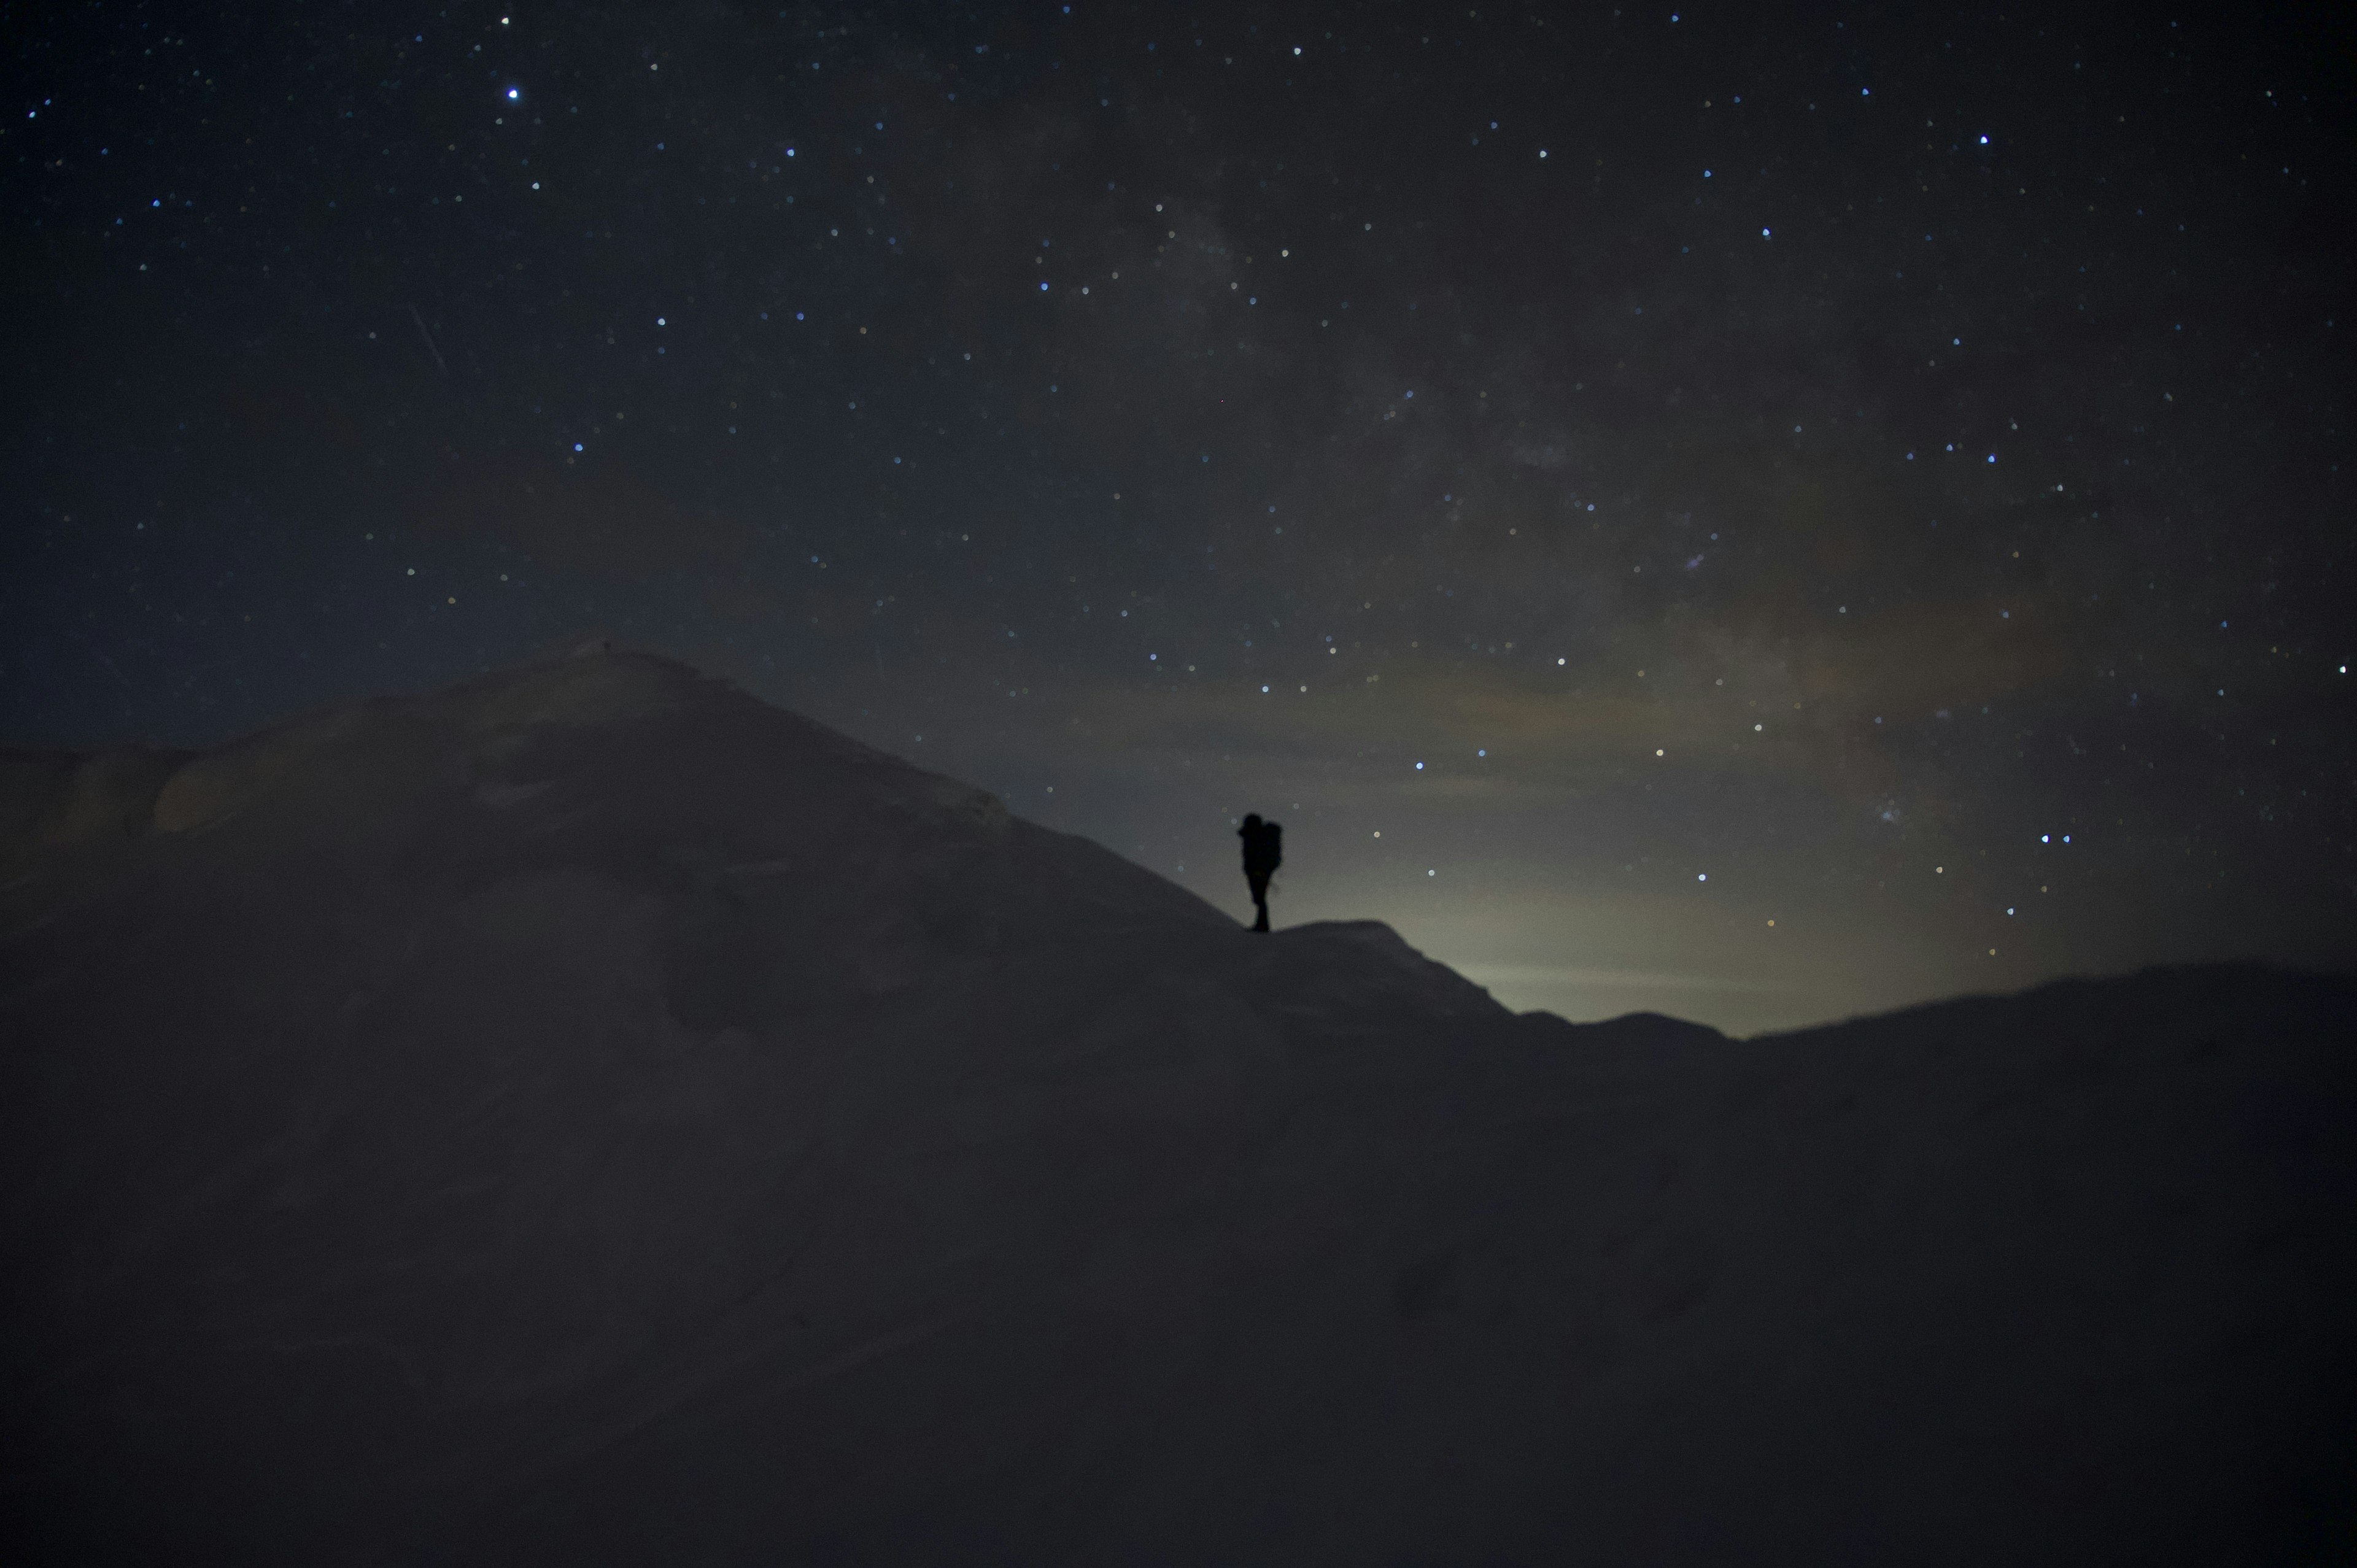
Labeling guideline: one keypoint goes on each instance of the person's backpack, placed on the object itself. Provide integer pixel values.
(1264, 848)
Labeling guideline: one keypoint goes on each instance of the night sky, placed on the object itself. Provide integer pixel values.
(1758, 515)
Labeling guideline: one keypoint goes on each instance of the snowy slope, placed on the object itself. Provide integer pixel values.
(589, 1116)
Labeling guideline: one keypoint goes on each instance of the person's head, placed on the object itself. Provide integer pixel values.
(1252, 818)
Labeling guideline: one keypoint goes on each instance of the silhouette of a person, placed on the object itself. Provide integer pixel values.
(1263, 853)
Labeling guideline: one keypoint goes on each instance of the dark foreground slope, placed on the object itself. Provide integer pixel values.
(586, 1116)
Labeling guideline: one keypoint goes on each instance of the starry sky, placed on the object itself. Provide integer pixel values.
(1754, 513)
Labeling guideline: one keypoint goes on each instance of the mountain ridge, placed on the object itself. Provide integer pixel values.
(586, 1114)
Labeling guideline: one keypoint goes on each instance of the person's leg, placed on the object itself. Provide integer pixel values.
(1260, 901)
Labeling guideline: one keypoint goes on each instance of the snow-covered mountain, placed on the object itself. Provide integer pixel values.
(585, 1115)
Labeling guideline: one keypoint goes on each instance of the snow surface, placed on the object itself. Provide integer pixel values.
(587, 1116)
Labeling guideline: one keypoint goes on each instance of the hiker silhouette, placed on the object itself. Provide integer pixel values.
(1263, 853)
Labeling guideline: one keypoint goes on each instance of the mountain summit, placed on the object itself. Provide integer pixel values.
(587, 1115)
